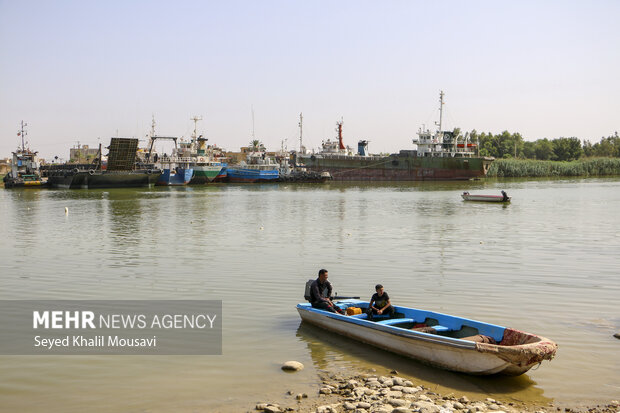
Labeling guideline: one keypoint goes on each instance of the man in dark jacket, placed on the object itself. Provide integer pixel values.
(321, 292)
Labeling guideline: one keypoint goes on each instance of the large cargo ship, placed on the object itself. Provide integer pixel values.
(439, 155)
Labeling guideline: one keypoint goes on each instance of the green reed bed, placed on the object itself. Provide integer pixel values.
(516, 168)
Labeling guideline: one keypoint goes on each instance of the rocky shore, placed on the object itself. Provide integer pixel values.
(372, 393)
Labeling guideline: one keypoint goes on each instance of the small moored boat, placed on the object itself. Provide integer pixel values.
(486, 198)
(445, 341)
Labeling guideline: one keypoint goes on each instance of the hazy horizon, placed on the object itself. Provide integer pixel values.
(85, 71)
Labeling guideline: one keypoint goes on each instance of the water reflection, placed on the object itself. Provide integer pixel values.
(332, 351)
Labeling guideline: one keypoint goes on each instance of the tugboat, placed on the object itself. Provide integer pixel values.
(25, 171)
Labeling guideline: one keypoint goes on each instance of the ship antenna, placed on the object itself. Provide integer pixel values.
(153, 125)
(301, 131)
(195, 119)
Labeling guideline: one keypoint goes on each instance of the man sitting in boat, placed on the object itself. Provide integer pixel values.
(321, 292)
(505, 195)
(380, 303)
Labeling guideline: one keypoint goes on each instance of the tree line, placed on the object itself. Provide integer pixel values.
(512, 145)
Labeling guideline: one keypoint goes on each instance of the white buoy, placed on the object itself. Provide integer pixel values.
(66, 211)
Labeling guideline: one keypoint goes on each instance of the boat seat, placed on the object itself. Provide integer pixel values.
(362, 316)
(440, 329)
(392, 321)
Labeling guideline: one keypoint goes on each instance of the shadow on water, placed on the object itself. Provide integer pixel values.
(329, 350)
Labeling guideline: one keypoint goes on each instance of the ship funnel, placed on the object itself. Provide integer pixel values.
(362, 148)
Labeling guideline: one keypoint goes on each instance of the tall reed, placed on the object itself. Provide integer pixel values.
(516, 168)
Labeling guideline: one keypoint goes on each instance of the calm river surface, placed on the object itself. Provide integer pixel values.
(548, 263)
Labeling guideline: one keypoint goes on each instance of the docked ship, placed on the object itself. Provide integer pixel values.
(25, 165)
(122, 170)
(439, 155)
(205, 160)
(257, 168)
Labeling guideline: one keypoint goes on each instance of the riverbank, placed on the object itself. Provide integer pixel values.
(528, 168)
(365, 392)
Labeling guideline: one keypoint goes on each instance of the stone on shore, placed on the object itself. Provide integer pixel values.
(292, 366)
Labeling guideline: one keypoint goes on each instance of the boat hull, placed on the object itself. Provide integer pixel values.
(443, 352)
(106, 179)
(485, 198)
(180, 177)
(398, 167)
(247, 175)
(204, 174)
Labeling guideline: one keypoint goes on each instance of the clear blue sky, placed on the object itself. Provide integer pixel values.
(83, 70)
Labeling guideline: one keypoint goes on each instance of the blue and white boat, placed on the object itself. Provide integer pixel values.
(258, 168)
(445, 341)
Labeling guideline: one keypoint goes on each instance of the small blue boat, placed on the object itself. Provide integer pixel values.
(442, 340)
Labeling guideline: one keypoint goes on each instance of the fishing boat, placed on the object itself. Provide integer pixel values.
(486, 198)
(263, 171)
(25, 172)
(445, 341)
(439, 155)
(176, 170)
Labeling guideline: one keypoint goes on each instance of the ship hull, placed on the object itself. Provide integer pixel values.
(179, 177)
(86, 180)
(243, 175)
(205, 174)
(398, 167)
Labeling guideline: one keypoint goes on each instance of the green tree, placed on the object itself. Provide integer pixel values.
(567, 149)
(544, 150)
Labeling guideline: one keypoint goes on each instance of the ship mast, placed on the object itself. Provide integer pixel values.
(440, 109)
(195, 119)
(301, 131)
(23, 134)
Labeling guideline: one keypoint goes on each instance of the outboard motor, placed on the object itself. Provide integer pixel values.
(362, 148)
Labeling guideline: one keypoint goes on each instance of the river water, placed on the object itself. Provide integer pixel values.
(547, 263)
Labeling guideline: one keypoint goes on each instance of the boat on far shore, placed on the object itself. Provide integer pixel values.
(486, 198)
(25, 167)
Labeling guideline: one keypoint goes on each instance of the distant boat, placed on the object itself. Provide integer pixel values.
(442, 340)
(25, 172)
(486, 198)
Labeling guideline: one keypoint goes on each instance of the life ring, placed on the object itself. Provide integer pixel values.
(201, 159)
(91, 171)
(148, 171)
(76, 170)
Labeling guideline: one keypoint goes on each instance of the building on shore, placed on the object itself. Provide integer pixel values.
(5, 166)
(82, 154)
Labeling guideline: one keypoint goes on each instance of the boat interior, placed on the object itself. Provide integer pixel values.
(432, 323)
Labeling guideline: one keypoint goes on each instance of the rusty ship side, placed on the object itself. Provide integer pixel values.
(404, 166)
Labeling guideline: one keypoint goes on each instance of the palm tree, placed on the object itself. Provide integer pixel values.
(256, 146)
